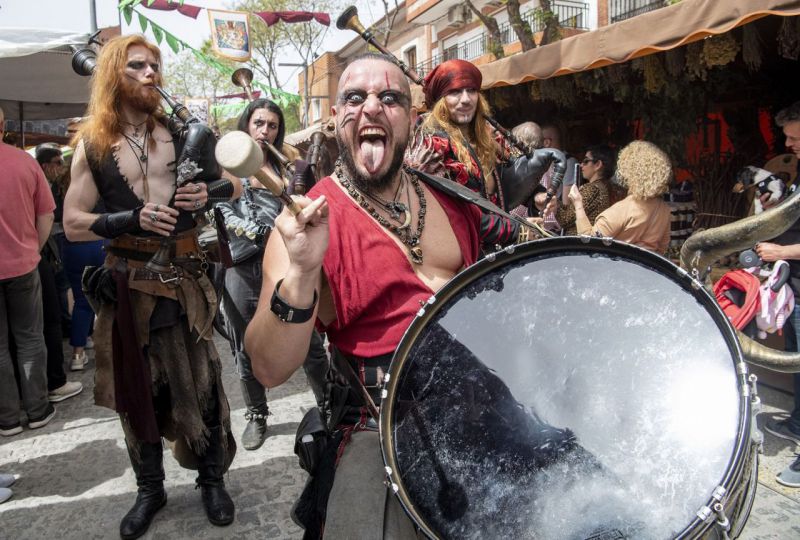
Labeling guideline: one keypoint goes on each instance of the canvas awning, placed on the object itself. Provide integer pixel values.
(36, 77)
(652, 32)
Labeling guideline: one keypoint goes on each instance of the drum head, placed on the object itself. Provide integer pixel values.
(565, 390)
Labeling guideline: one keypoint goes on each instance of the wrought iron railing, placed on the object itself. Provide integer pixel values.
(570, 13)
(619, 10)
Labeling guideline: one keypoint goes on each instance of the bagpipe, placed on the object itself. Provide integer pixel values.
(196, 138)
(195, 162)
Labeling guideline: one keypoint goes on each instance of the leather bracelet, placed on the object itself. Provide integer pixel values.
(288, 313)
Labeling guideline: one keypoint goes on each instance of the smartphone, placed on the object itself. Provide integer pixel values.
(578, 176)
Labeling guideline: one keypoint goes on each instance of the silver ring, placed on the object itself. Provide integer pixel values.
(197, 189)
(154, 217)
(158, 206)
(197, 204)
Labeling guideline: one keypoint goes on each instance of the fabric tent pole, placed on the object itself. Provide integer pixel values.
(93, 15)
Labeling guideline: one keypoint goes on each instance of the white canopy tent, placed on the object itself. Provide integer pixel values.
(36, 77)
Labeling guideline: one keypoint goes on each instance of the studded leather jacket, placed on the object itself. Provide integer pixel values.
(249, 220)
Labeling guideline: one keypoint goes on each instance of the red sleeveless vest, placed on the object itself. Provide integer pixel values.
(375, 291)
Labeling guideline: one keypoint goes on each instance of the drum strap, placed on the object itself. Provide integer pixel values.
(349, 379)
(345, 368)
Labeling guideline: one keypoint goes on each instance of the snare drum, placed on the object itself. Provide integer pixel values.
(571, 388)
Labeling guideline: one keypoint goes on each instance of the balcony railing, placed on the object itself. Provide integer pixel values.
(625, 9)
(571, 14)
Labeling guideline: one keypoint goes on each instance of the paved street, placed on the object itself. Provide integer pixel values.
(76, 482)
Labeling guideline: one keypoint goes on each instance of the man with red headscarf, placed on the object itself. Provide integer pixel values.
(156, 363)
(454, 139)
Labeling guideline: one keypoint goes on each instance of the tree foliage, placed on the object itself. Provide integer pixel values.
(274, 44)
(186, 76)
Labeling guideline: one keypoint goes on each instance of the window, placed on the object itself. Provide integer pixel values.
(411, 57)
(316, 110)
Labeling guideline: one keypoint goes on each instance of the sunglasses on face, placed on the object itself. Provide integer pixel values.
(587, 160)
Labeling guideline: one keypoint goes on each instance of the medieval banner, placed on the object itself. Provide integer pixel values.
(230, 34)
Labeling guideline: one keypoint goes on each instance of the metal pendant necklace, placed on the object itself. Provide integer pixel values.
(411, 239)
(141, 146)
(142, 161)
(134, 126)
(394, 207)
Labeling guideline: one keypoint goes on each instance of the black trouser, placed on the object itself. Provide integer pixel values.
(162, 405)
(53, 335)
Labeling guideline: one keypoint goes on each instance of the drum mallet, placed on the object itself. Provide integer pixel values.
(241, 156)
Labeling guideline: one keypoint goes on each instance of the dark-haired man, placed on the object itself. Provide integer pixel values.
(787, 247)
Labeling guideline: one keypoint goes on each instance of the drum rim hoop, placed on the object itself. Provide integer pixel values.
(548, 247)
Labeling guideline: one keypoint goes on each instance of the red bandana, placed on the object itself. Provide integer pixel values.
(449, 76)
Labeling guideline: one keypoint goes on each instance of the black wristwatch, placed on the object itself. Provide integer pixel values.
(287, 313)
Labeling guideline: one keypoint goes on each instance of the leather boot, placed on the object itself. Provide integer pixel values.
(151, 496)
(255, 433)
(216, 501)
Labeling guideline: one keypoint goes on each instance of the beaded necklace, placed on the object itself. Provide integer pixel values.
(411, 239)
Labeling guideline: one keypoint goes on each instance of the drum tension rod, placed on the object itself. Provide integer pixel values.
(722, 520)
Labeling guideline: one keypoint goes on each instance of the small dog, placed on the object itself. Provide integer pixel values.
(763, 182)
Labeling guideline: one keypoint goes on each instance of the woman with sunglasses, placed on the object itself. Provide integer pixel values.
(642, 218)
(597, 168)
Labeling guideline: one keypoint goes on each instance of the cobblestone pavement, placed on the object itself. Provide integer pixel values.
(75, 481)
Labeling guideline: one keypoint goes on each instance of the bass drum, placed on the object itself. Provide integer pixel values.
(571, 388)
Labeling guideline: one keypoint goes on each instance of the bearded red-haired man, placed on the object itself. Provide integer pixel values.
(156, 364)
(455, 140)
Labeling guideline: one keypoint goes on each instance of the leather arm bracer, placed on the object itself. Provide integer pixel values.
(115, 224)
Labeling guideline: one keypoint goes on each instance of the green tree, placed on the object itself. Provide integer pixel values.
(521, 27)
(552, 31)
(281, 41)
(494, 41)
(187, 76)
(269, 42)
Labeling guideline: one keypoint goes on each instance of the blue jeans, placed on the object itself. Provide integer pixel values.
(77, 256)
(21, 312)
(791, 345)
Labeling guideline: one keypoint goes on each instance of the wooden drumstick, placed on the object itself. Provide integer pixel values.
(241, 156)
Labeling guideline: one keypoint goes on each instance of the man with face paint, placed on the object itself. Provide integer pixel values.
(156, 364)
(454, 140)
(371, 244)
